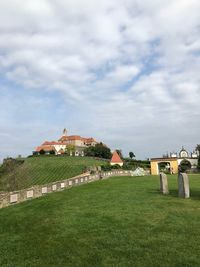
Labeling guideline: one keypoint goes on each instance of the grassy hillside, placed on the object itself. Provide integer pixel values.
(122, 221)
(44, 169)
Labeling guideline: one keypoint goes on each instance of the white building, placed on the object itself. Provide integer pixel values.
(73, 144)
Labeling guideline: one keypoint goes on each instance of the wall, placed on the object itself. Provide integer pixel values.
(154, 165)
(154, 168)
(119, 163)
(10, 198)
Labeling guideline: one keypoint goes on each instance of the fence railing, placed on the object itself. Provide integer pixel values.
(10, 198)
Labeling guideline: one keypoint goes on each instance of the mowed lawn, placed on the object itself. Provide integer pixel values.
(45, 169)
(121, 221)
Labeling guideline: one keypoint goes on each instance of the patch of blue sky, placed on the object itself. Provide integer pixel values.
(103, 70)
(33, 105)
(149, 65)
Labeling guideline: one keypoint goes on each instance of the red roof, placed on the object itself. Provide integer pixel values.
(45, 148)
(47, 143)
(76, 137)
(38, 148)
(116, 158)
(71, 137)
(88, 139)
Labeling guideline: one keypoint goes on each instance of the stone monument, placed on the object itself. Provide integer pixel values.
(164, 184)
(183, 185)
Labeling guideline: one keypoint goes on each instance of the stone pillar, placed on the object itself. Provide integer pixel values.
(183, 185)
(163, 184)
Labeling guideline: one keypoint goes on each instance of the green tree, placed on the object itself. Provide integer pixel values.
(198, 150)
(9, 168)
(70, 150)
(131, 155)
(90, 151)
(185, 165)
(99, 151)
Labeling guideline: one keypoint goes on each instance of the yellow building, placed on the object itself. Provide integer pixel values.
(172, 164)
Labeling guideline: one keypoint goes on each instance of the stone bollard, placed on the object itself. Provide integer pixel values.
(183, 185)
(163, 184)
(100, 175)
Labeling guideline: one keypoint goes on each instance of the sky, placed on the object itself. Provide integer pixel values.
(126, 72)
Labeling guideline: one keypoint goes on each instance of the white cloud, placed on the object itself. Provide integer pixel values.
(128, 68)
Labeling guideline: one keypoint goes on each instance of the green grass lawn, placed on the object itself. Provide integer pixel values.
(122, 221)
(45, 169)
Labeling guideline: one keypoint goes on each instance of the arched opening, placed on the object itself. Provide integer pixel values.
(164, 167)
(185, 165)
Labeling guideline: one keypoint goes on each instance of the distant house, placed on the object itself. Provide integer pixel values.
(73, 144)
(116, 160)
(46, 148)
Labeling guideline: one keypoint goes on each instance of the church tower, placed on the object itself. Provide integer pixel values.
(183, 153)
(65, 132)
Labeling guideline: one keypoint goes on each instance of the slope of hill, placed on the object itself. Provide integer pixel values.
(45, 169)
(122, 221)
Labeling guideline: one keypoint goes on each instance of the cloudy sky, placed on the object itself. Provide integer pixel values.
(126, 72)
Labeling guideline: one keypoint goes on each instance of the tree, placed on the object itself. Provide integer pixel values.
(99, 150)
(9, 170)
(70, 150)
(131, 155)
(185, 165)
(198, 162)
(198, 147)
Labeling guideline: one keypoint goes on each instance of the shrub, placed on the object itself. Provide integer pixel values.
(106, 167)
(116, 166)
(42, 152)
(52, 152)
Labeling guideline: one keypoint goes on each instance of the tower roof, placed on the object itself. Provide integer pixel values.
(65, 132)
(116, 158)
(183, 149)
